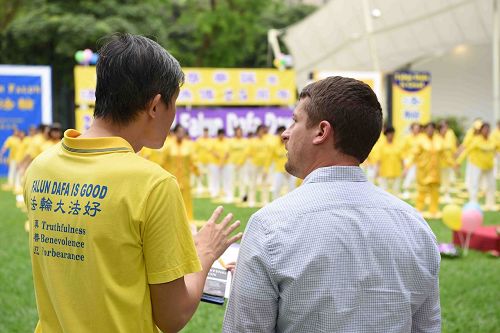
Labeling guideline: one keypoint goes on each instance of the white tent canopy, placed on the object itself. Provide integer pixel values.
(347, 35)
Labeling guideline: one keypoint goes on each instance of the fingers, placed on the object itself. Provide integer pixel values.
(232, 227)
(216, 214)
(226, 220)
(235, 238)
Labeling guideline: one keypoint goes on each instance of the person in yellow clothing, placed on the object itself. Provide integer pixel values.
(496, 139)
(259, 152)
(282, 179)
(203, 157)
(21, 156)
(409, 145)
(481, 154)
(236, 166)
(178, 160)
(218, 172)
(390, 165)
(470, 135)
(447, 164)
(371, 163)
(110, 243)
(427, 157)
(12, 144)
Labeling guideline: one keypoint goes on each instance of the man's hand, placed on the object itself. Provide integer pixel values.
(213, 238)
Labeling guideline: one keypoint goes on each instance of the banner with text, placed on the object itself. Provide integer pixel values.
(25, 100)
(196, 119)
(411, 100)
(213, 86)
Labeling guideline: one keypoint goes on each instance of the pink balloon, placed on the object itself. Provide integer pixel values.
(87, 55)
(471, 220)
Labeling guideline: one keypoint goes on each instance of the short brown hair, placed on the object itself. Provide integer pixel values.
(352, 109)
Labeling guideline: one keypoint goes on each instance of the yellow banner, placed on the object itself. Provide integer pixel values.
(213, 86)
(411, 100)
(85, 82)
(83, 118)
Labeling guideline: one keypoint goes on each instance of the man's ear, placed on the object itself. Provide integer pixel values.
(153, 106)
(324, 131)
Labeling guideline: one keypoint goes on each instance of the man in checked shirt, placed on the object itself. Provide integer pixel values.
(337, 254)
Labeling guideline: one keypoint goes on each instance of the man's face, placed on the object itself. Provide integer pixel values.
(298, 141)
(166, 115)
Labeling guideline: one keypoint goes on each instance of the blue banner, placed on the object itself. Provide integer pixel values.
(20, 106)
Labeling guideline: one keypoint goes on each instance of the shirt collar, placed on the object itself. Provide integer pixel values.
(336, 174)
(73, 143)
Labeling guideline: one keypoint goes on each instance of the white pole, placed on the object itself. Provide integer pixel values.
(496, 61)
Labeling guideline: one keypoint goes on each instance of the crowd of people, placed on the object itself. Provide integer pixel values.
(22, 149)
(428, 159)
(250, 170)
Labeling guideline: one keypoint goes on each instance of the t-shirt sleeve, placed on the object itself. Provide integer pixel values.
(168, 245)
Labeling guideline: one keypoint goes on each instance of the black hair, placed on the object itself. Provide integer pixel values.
(132, 70)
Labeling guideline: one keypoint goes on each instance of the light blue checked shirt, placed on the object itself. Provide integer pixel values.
(337, 254)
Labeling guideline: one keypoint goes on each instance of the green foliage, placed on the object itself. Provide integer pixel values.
(215, 33)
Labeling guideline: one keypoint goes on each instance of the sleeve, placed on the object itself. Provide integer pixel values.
(168, 245)
(428, 317)
(253, 303)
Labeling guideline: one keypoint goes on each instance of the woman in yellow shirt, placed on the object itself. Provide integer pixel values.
(217, 167)
(427, 157)
(410, 142)
(390, 164)
(481, 155)
(178, 160)
(236, 180)
(447, 168)
(203, 157)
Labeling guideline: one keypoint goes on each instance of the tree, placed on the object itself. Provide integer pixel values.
(214, 33)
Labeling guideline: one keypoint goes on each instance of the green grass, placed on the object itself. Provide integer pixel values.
(470, 287)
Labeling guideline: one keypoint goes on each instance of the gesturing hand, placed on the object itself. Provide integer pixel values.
(214, 238)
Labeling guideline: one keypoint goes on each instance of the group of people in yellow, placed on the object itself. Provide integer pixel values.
(233, 170)
(429, 158)
(23, 148)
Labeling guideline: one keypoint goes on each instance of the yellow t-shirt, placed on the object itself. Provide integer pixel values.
(104, 224)
(36, 146)
(391, 159)
(23, 148)
(220, 151)
(480, 152)
(238, 151)
(279, 157)
(427, 156)
(12, 143)
(203, 150)
(260, 151)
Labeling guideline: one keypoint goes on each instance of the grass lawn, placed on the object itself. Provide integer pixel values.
(470, 286)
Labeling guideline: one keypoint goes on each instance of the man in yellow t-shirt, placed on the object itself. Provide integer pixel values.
(390, 164)
(282, 179)
(259, 153)
(202, 158)
(218, 173)
(237, 178)
(110, 243)
(12, 144)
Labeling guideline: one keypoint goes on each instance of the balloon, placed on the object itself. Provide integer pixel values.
(79, 56)
(452, 217)
(87, 55)
(471, 220)
(472, 206)
(94, 58)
